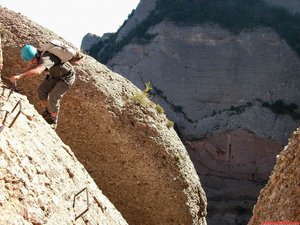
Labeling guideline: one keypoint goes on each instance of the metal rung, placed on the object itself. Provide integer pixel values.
(87, 200)
(15, 118)
(20, 110)
(12, 89)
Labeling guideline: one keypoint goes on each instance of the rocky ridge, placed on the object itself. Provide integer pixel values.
(138, 162)
(88, 41)
(143, 10)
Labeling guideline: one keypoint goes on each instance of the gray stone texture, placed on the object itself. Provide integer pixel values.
(144, 8)
(88, 41)
(292, 5)
(206, 70)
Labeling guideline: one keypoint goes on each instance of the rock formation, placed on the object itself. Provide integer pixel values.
(292, 5)
(88, 41)
(40, 177)
(280, 199)
(219, 88)
(1, 57)
(143, 10)
(123, 141)
(231, 98)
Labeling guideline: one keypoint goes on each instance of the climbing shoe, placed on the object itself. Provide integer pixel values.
(46, 114)
(53, 126)
(52, 121)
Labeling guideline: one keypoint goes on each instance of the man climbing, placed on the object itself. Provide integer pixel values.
(59, 78)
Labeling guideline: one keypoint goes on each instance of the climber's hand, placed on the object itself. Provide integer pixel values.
(15, 78)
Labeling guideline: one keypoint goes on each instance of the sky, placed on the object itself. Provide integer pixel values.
(72, 19)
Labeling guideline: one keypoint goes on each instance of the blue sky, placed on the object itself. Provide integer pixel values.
(72, 19)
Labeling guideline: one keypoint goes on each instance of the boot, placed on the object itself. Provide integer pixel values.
(46, 114)
(52, 121)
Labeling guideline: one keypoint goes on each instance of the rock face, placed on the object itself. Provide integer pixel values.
(232, 166)
(213, 83)
(1, 57)
(88, 41)
(40, 175)
(228, 77)
(138, 162)
(144, 8)
(292, 5)
(280, 199)
(142, 11)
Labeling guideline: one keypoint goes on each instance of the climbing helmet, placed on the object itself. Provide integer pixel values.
(28, 52)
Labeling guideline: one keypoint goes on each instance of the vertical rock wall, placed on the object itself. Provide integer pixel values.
(279, 201)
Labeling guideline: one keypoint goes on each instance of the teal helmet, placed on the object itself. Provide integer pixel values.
(28, 52)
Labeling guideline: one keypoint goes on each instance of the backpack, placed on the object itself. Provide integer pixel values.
(63, 51)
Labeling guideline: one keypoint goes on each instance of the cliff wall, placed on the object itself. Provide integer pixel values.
(280, 198)
(222, 90)
(291, 5)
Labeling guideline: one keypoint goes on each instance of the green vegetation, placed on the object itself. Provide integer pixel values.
(233, 15)
(170, 124)
(239, 109)
(159, 109)
(233, 110)
(141, 98)
(280, 108)
(177, 158)
(148, 87)
(178, 108)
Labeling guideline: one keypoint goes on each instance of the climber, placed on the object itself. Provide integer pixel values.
(58, 80)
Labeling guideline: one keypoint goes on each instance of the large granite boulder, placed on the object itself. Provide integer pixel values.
(122, 139)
